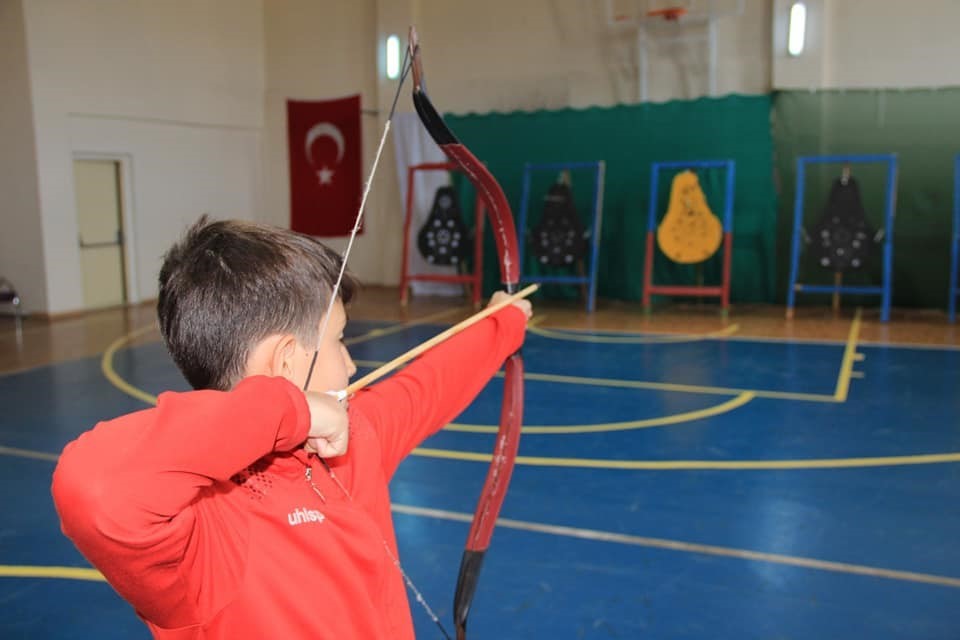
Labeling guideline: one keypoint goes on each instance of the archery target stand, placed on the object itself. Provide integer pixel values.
(885, 290)
(598, 169)
(473, 280)
(723, 290)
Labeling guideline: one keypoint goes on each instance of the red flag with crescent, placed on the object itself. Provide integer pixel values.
(326, 180)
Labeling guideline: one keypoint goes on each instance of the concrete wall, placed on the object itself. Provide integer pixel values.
(172, 88)
(21, 235)
(856, 44)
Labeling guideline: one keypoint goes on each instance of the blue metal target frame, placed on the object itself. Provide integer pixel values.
(886, 288)
(599, 169)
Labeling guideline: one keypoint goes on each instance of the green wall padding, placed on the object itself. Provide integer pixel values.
(921, 127)
(629, 139)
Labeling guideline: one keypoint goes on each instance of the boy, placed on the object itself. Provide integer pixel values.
(238, 510)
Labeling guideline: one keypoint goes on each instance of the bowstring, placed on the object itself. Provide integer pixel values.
(407, 65)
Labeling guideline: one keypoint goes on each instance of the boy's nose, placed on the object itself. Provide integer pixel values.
(351, 367)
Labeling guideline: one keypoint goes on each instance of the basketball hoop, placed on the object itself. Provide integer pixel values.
(671, 14)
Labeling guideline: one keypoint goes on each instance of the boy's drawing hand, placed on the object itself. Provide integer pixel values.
(329, 425)
(524, 304)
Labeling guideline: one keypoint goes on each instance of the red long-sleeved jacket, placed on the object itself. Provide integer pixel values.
(199, 512)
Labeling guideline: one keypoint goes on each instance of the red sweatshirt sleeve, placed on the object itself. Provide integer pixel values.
(422, 398)
(124, 491)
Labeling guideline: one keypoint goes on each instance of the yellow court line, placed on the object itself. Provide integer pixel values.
(67, 573)
(849, 354)
(647, 423)
(106, 366)
(698, 465)
(379, 333)
(689, 547)
(666, 338)
(827, 463)
(741, 398)
(106, 362)
(867, 342)
(682, 388)
(656, 386)
(110, 373)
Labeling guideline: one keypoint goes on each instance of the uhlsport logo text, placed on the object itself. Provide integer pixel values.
(302, 516)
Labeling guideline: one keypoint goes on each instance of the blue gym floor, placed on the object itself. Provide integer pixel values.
(680, 487)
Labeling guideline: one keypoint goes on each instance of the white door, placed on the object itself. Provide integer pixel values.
(100, 220)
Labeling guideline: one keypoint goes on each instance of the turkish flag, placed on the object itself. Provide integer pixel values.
(325, 165)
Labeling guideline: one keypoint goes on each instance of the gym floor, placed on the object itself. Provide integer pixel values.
(680, 476)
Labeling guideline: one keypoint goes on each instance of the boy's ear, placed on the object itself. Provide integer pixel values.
(284, 360)
(275, 355)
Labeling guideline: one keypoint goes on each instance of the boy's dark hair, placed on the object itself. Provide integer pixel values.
(229, 284)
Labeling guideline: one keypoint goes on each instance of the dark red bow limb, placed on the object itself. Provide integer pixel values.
(511, 415)
(498, 209)
(504, 231)
(493, 493)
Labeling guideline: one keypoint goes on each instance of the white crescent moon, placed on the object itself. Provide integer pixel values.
(324, 129)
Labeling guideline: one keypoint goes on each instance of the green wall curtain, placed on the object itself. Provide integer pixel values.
(629, 139)
(920, 126)
(764, 135)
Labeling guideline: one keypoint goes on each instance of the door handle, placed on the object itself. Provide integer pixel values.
(100, 245)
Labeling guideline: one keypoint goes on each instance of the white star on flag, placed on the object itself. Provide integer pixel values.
(325, 175)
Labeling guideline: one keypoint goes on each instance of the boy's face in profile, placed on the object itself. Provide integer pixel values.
(334, 365)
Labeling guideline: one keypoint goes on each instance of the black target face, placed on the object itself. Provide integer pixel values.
(842, 239)
(443, 238)
(559, 239)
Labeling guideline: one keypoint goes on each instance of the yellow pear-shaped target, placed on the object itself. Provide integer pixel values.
(690, 232)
